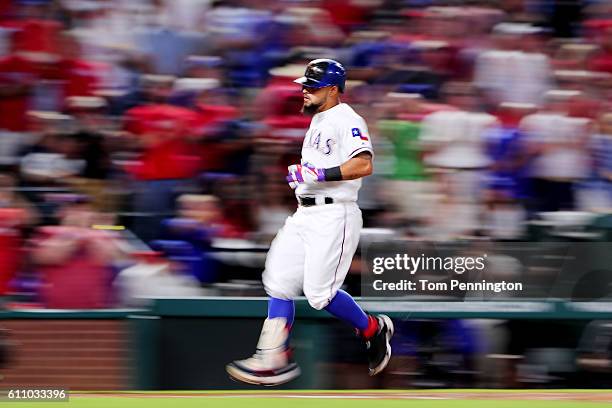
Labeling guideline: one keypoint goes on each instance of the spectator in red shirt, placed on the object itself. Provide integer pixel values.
(63, 75)
(167, 159)
(214, 111)
(165, 133)
(42, 81)
(80, 77)
(75, 260)
(18, 76)
(16, 214)
(35, 32)
(602, 61)
(5, 8)
(348, 14)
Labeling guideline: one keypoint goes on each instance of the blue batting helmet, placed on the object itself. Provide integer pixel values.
(323, 72)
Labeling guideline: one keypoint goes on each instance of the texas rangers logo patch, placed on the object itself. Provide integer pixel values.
(357, 133)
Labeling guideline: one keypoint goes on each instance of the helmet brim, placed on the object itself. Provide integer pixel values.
(309, 82)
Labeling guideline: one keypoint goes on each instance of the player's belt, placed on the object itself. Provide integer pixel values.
(310, 201)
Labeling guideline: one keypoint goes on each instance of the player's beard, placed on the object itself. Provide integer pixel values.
(311, 109)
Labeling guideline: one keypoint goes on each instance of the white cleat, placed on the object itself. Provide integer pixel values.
(271, 364)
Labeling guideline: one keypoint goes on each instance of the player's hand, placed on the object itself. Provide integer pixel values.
(304, 174)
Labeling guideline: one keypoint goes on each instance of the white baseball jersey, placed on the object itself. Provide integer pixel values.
(313, 251)
(334, 136)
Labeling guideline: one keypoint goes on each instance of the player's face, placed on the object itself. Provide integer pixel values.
(314, 98)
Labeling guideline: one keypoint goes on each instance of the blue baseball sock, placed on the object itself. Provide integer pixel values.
(344, 308)
(281, 308)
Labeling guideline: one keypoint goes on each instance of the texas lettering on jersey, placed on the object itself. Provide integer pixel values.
(315, 141)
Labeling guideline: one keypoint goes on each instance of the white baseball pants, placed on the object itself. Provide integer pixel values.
(312, 253)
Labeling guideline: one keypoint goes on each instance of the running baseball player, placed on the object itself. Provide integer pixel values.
(314, 249)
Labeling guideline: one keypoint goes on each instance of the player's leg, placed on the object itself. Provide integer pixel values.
(330, 247)
(272, 363)
(376, 331)
(283, 276)
(282, 308)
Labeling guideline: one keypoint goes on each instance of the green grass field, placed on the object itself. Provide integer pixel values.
(336, 399)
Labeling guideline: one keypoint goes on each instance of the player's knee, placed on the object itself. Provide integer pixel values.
(277, 290)
(278, 293)
(317, 302)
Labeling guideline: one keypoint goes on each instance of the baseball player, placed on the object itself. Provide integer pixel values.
(313, 251)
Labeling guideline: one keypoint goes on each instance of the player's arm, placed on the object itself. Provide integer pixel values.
(356, 167)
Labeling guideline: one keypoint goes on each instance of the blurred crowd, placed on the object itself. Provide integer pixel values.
(144, 144)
